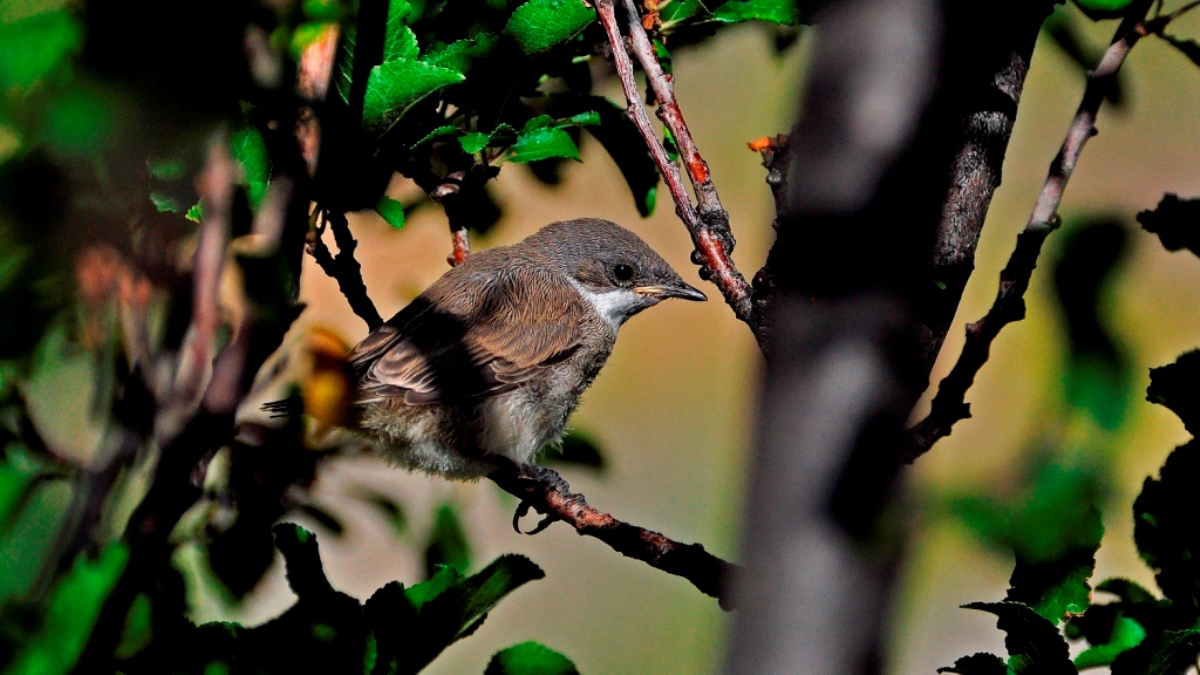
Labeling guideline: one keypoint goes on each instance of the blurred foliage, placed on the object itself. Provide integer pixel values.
(1053, 525)
(118, 452)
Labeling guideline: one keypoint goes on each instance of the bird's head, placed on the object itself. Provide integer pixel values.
(614, 270)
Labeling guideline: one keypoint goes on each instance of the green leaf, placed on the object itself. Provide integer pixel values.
(539, 122)
(977, 664)
(196, 213)
(165, 169)
(1166, 653)
(530, 658)
(1126, 634)
(392, 211)
(322, 10)
(466, 604)
(774, 11)
(77, 122)
(250, 151)
(1164, 527)
(396, 85)
(539, 25)
(164, 203)
(474, 142)
(1176, 222)
(399, 42)
(670, 145)
(71, 614)
(543, 144)
(447, 543)
(443, 577)
(33, 47)
(1033, 643)
(458, 55)
(680, 10)
(440, 132)
(1103, 9)
(590, 118)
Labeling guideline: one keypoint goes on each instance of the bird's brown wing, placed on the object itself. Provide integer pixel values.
(449, 344)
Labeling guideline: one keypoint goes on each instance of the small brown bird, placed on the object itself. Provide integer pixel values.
(493, 357)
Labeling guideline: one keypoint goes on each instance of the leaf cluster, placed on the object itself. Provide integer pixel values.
(1056, 532)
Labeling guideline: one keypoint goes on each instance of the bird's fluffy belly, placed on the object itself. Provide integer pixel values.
(513, 425)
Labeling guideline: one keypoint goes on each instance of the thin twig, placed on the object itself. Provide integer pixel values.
(344, 268)
(950, 406)
(549, 494)
(708, 225)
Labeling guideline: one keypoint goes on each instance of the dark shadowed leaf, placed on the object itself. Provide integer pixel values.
(1171, 652)
(1130, 592)
(1176, 222)
(1125, 634)
(621, 140)
(392, 211)
(71, 612)
(1165, 527)
(1174, 386)
(530, 658)
(391, 510)
(1033, 643)
(324, 517)
(977, 664)
(396, 85)
(250, 151)
(578, 448)
(1189, 48)
(458, 55)
(538, 25)
(447, 542)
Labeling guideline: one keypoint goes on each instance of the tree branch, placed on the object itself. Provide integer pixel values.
(709, 225)
(949, 406)
(548, 493)
(991, 85)
(343, 267)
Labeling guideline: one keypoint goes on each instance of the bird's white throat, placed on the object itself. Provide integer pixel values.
(614, 306)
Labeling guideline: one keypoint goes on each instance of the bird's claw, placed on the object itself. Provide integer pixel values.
(523, 510)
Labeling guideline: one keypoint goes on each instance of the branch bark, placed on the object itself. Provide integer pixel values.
(949, 406)
(548, 493)
(343, 267)
(708, 225)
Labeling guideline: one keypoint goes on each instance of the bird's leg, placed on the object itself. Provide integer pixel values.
(526, 481)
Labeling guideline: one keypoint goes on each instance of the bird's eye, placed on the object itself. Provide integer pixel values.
(623, 272)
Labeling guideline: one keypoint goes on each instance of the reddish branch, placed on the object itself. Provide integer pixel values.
(708, 224)
(549, 494)
(950, 406)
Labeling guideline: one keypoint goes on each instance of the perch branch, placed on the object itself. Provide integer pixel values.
(546, 491)
(343, 267)
(549, 494)
(708, 225)
(950, 406)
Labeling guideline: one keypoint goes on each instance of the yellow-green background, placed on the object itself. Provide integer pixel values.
(674, 409)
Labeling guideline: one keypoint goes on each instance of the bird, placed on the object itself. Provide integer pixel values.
(492, 358)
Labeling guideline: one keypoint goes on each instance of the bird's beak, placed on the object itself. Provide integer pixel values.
(677, 289)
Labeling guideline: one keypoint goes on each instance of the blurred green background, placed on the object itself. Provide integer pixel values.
(674, 408)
